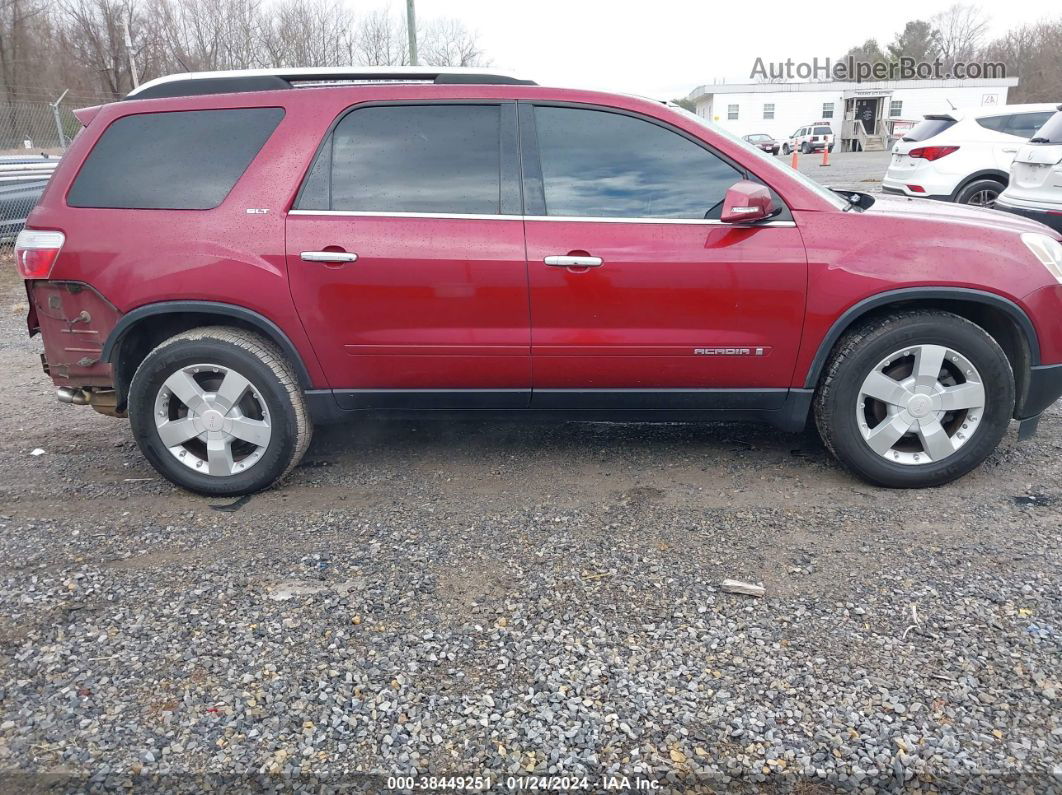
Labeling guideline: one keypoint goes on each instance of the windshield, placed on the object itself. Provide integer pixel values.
(1050, 133)
(927, 128)
(767, 160)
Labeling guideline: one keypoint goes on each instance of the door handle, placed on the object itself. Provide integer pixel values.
(1010, 149)
(568, 261)
(327, 256)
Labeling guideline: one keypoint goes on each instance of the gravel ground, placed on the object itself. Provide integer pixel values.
(489, 598)
(852, 170)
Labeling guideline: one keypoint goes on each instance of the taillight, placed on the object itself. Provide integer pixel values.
(932, 152)
(36, 251)
(916, 189)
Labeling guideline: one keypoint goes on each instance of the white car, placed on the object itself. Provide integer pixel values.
(810, 138)
(1035, 189)
(962, 156)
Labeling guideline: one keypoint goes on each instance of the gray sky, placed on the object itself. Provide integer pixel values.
(664, 48)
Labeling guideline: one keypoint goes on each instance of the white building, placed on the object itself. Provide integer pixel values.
(863, 115)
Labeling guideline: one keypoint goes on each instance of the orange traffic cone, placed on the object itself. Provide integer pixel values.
(793, 161)
(825, 155)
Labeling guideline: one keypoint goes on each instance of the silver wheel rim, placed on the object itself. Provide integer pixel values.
(212, 419)
(984, 198)
(920, 405)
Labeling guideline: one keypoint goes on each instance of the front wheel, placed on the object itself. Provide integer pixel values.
(219, 411)
(915, 399)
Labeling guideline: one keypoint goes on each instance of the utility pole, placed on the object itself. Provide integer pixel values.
(129, 54)
(411, 29)
(58, 120)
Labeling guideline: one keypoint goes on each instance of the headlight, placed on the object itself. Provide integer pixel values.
(1047, 250)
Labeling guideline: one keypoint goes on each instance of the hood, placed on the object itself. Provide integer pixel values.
(961, 214)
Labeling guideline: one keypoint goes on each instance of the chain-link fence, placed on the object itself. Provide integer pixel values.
(33, 138)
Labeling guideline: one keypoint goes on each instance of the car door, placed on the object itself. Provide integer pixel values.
(405, 250)
(640, 296)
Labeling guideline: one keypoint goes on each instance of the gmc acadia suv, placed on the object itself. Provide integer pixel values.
(228, 258)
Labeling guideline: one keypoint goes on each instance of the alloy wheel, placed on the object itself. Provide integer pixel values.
(919, 405)
(984, 198)
(212, 419)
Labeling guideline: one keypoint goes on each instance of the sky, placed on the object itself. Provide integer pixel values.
(665, 48)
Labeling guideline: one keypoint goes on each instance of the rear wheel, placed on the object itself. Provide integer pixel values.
(981, 193)
(804, 148)
(219, 411)
(915, 399)
(785, 149)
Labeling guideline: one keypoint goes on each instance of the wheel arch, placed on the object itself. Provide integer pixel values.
(1001, 318)
(988, 173)
(139, 331)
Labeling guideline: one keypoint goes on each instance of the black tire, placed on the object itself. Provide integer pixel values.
(977, 190)
(804, 148)
(786, 150)
(831, 149)
(273, 382)
(861, 350)
(775, 151)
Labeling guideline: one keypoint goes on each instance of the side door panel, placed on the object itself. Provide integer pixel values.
(697, 306)
(434, 310)
(686, 310)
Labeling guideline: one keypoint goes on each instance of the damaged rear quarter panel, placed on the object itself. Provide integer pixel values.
(74, 321)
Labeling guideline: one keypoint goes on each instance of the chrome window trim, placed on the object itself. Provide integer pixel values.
(565, 218)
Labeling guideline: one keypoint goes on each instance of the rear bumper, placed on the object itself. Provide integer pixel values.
(898, 191)
(1053, 220)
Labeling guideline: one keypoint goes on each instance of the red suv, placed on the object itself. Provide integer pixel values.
(229, 258)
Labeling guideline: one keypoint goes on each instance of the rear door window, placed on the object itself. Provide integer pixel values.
(433, 159)
(1025, 125)
(182, 160)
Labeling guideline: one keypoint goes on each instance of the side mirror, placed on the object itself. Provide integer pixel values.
(746, 202)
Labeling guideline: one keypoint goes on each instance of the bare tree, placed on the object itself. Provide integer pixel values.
(959, 32)
(381, 40)
(19, 19)
(1033, 54)
(447, 42)
(310, 33)
(87, 51)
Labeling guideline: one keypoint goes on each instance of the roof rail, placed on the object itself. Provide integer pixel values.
(196, 83)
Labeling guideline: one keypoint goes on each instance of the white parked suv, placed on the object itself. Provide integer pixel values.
(810, 138)
(1035, 189)
(963, 156)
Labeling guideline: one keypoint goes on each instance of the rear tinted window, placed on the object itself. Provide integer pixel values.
(185, 160)
(823, 131)
(1051, 133)
(1025, 125)
(416, 158)
(927, 128)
